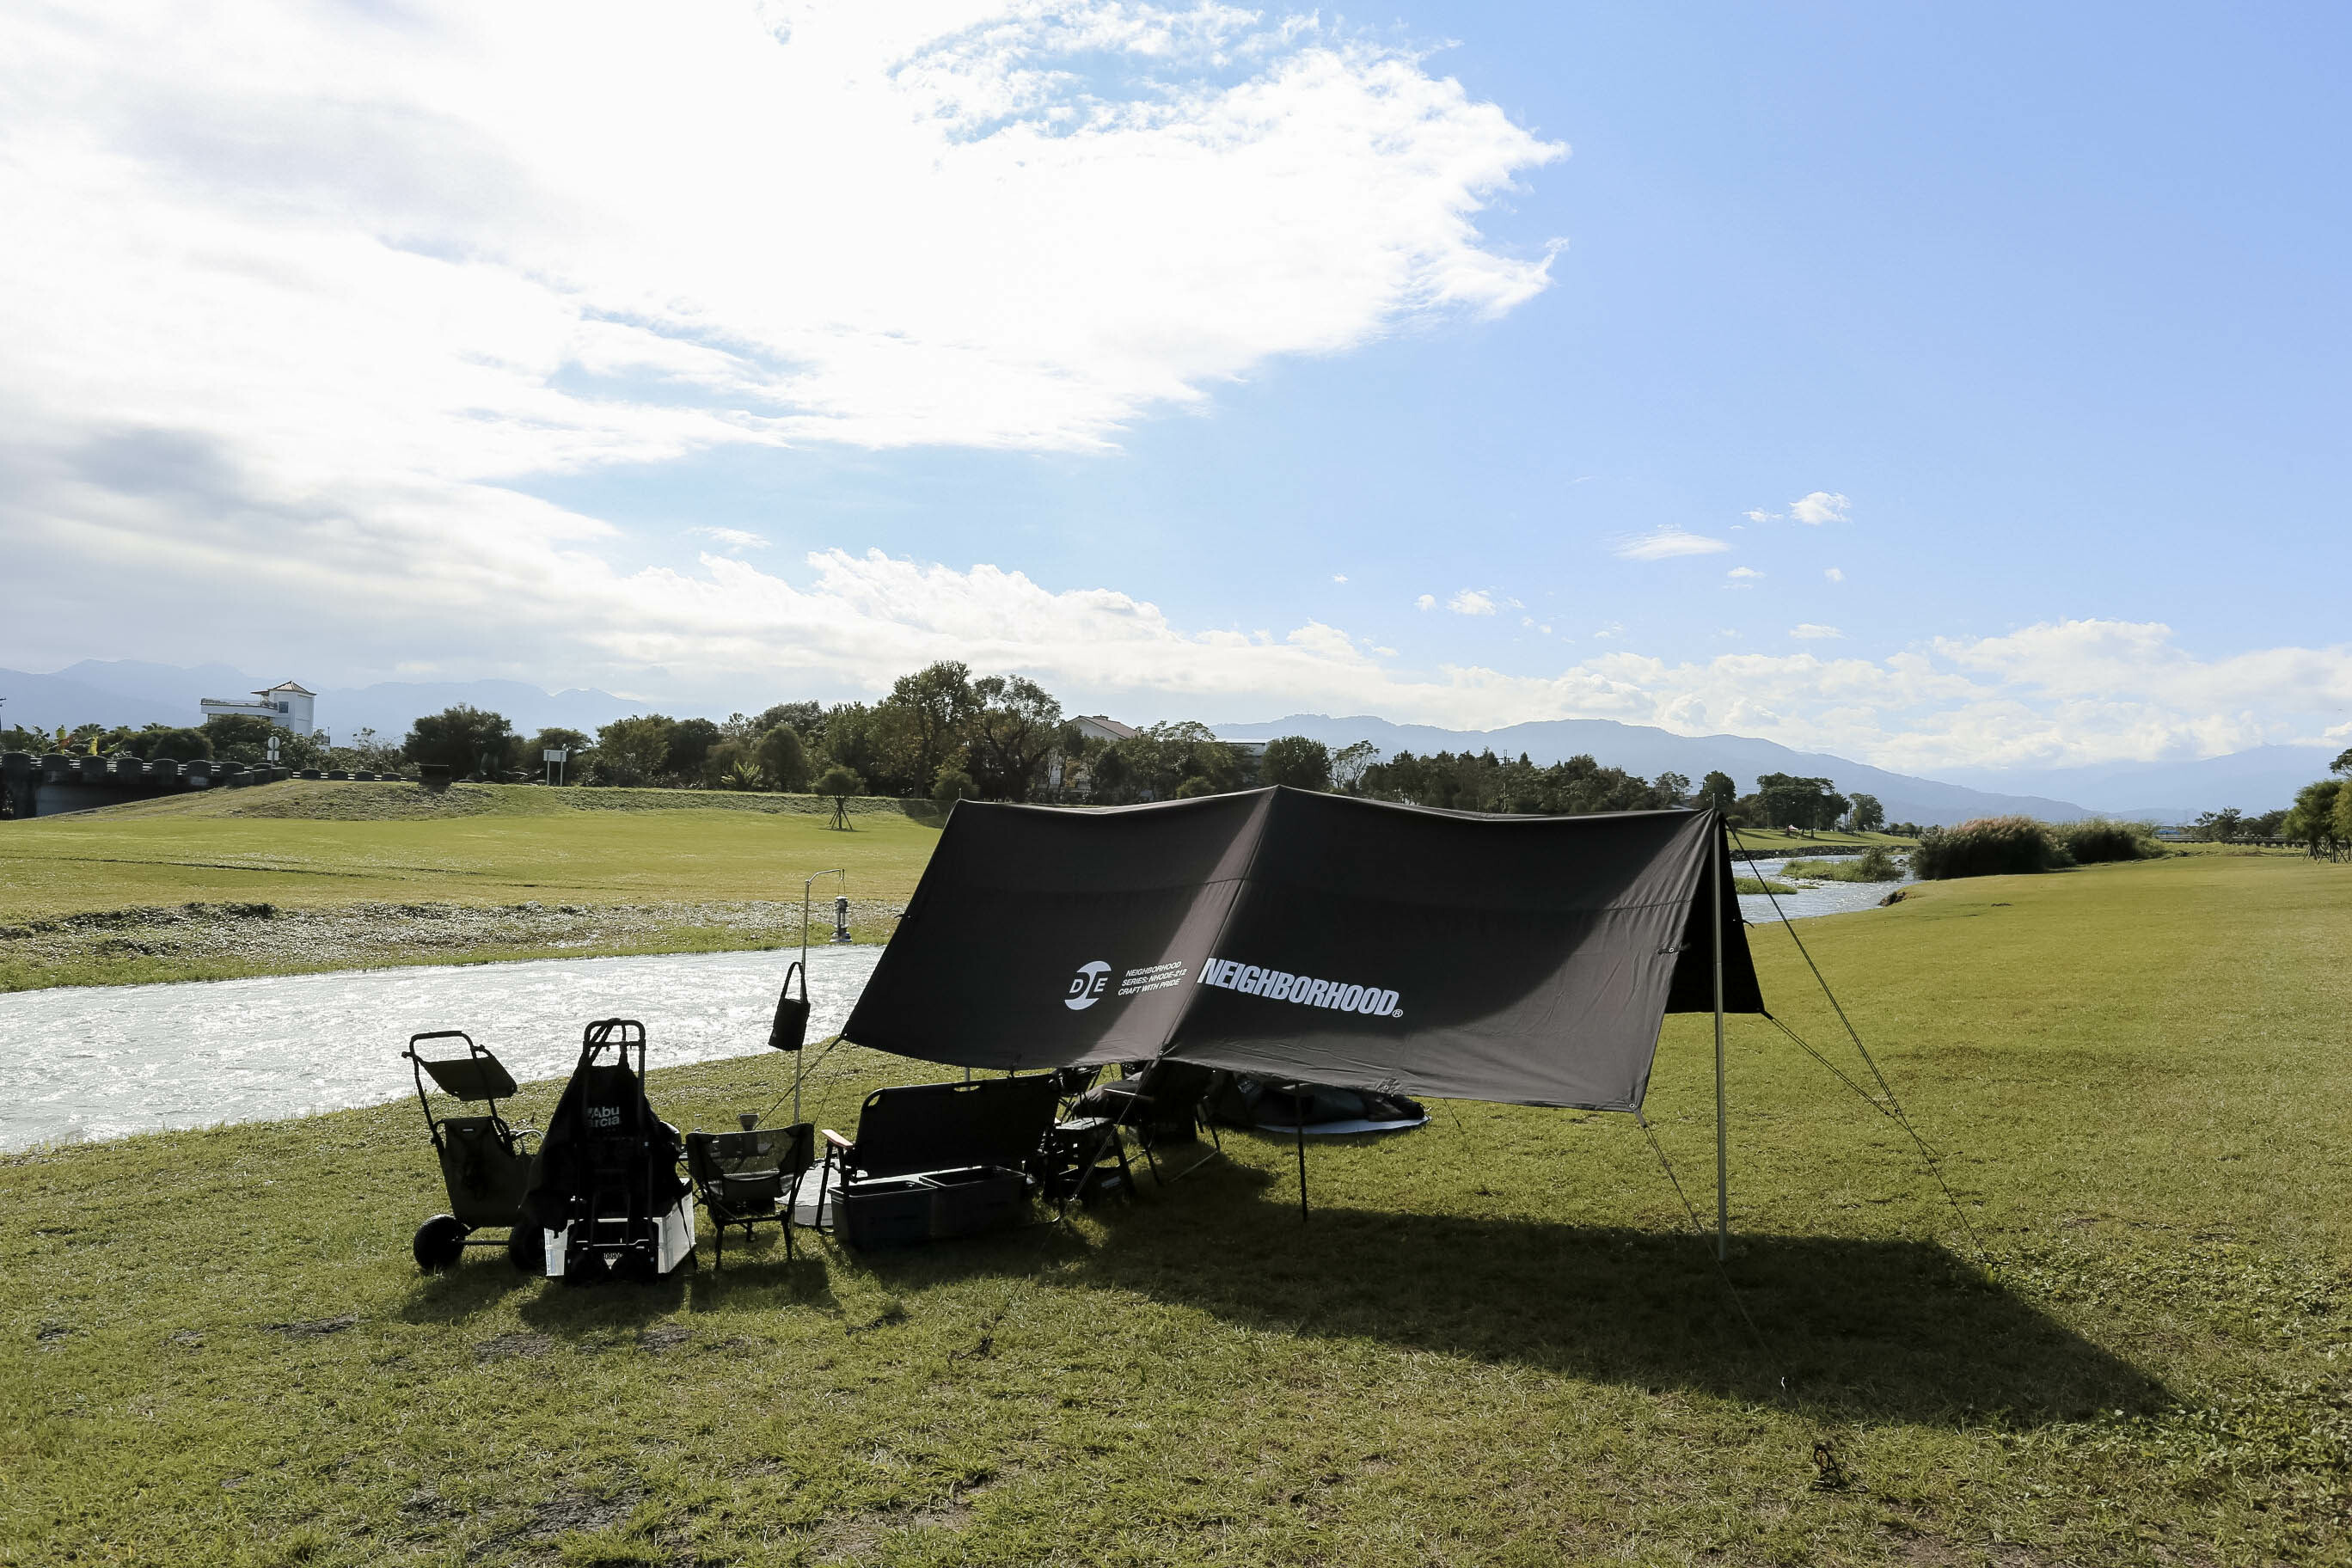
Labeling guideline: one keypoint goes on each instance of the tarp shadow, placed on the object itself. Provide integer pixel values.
(1859, 1328)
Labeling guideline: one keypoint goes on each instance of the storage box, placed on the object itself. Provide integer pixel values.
(896, 1212)
(967, 1202)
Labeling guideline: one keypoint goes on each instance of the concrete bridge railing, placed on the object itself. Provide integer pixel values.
(53, 785)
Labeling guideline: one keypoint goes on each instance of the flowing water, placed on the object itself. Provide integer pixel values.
(101, 1061)
(1811, 899)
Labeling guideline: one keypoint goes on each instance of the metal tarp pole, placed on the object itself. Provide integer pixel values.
(1298, 1109)
(1722, 1144)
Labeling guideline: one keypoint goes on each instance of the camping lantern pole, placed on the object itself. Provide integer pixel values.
(801, 1055)
(1722, 1147)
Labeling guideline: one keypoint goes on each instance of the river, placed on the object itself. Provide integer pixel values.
(102, 1061)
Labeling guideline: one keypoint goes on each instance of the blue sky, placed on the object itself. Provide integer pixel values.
(2044, 307)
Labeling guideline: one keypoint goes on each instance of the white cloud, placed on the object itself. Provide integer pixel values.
(1833, 575)
(1471, 602)
(1819, 507)
(1339, 577)
(1666, 542)
(1763, 516)
(1743, 573)
(1426, 602)
(733, 537)
(332, 279)
(1809, 632)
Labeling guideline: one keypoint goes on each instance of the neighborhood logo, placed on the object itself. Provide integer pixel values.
(1280, 985)
(1087, 988)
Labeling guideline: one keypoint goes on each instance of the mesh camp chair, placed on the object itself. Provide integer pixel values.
(749, 1178)
(1163, 1107)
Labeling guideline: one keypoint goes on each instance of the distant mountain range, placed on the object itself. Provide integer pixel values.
(125, 692)
(1639, 749)
(122, 692)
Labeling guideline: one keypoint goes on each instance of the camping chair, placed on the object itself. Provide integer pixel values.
(748, 1178)
(935, 1160)
(1163, 1107)
(606, 1186)
(484, 1163)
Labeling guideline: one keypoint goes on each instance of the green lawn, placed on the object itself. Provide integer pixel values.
(321, 846)
(1496, 1341)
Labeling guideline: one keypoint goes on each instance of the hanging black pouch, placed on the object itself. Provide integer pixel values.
(789, 1031)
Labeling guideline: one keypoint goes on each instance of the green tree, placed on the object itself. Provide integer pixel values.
(1717, 792)
(851, 739)
(2310, 820)
(1792, 802)
(177, 745)
(2343, 763)
(783, 759)
(691, 742)
(2217, 826)
(2340, 817)
(1672, 789)
(633, 751)
(241, 738)
(472, 742)
(1297, 762)
(806, 719)
(1158, 763)
(922, 724)
(1013, 731)
(1349, 763)
(953, 785)
(1869, 816)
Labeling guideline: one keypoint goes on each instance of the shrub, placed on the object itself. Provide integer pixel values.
(837, 780)
(953, 785)
(1876, 864)
(1988, 846)
(2098, 839)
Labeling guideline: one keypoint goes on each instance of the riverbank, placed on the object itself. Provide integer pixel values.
(299, 876)
(1495, 1342)
(235, 940)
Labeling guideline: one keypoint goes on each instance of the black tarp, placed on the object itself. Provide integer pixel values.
(1529, 960)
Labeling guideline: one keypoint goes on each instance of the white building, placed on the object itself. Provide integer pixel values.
(286, 705)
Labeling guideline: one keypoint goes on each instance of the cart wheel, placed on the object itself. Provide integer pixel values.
(440, 1242)
(527, 1248)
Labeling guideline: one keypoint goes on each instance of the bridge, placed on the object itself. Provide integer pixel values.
(55, 785)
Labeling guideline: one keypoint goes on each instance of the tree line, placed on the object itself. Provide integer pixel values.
(2321, 818)
(943, 733)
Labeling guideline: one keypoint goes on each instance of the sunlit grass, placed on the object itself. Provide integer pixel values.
(1495, 1341)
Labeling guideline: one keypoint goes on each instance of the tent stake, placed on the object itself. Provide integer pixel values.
(1722, 1145)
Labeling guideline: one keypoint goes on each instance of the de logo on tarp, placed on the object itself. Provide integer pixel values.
(1087, 986)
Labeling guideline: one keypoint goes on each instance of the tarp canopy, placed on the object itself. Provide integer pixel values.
(1529, 960)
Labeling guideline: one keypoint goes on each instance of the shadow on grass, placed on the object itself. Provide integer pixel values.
(1859, 1328)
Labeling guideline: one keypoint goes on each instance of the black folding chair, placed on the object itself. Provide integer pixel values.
(1163, 1106)
(750, 1178)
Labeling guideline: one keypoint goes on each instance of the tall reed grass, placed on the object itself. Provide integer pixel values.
(1988, 846)
(2099, 839)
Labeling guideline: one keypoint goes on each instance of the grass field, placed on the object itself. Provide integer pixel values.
(1496, 1341)
(317, 846)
